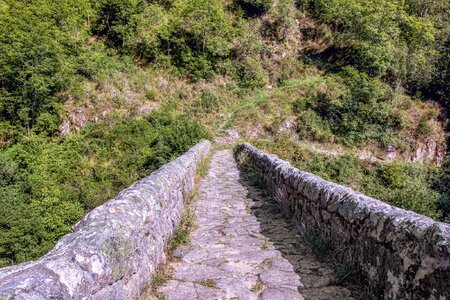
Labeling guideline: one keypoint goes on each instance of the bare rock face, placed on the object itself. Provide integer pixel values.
(229, 136)
(288, 124)
(430, 151)
(114, 250)
(391, 153)
(401, 254)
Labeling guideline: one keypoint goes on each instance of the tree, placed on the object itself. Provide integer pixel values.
(33, 67)
(150, 25)
(200, 35)
(114, 20)
(383, 37)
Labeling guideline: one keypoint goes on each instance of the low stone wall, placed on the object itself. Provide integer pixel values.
(114, 250)
(401, 254)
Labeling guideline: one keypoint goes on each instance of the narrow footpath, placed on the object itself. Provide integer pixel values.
(242, 248)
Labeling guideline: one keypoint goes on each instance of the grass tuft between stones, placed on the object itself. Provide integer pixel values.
(208, 283)
(258, 287)
(181, 234)
(318, 245)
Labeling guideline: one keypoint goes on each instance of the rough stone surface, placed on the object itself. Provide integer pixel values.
(114, 250)
(228, 257)
(317, 277)
(229, 136)
(401, 254)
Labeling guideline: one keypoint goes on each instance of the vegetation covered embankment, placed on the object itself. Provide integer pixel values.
(96, 94)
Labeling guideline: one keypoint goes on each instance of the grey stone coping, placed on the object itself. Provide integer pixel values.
(402, 254)
(114, 250)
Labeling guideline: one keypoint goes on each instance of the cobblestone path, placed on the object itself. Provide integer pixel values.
(317, 277)
(233, 254)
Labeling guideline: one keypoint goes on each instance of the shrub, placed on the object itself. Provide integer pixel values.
(114, 21)
(209, 101)
(174, 137)
(251, 74)
(33, 65)
(373, 58)
(149, 26)
(401, 43)
(196, 66)
(311, 126)
(354, 107)
(424, 127)
(440, 181)
(199, 34)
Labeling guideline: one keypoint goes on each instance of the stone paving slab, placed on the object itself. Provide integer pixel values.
(228, 257)
(318, 278)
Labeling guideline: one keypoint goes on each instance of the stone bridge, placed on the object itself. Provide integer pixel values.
(259, 225)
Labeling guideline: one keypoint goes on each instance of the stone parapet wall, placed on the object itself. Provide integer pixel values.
(401, 254)
(114, 250)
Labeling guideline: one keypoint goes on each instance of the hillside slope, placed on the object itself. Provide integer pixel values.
(96, 94)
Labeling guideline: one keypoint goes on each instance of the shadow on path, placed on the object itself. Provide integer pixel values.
(318, 277)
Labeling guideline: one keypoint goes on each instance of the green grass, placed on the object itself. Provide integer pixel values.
(211, 283)
(318, 245)
(159, 278)
(266, 244)
(258, 287)
(181, 235)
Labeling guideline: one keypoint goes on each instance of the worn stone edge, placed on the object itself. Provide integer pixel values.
(136, 224)
(369, 213)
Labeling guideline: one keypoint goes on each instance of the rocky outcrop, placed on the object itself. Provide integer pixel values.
(429, 151)
(114, 250)
(401, 254)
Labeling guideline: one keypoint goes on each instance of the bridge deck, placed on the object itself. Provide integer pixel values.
(242, 248)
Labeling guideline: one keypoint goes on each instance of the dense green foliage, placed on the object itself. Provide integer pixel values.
(33, 63)
(41, 55)
(411, 186)
(406, 42)
(54, 54)
(46, 186)
(355, 107)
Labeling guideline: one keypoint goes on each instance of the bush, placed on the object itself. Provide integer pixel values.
(251, 74)
(114, 21)
(199, 34)
(311, 126)
(33, 65)
(404, 43)
(424, 127)
(373, 58)
(150, 26)
(354, 107)
(407, 186)
(209, 100)
(440, 179)
(174, 137)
